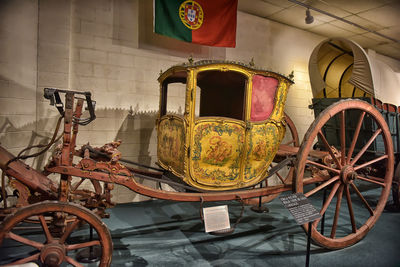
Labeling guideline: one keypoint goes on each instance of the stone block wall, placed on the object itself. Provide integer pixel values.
(18, 73)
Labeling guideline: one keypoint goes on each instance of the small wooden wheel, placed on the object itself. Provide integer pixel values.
(58, 221)
(352, 161)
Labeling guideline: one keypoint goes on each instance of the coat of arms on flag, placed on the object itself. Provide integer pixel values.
(191, 14)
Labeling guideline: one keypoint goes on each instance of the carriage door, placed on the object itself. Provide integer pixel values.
(217, 140)
(264, 136)
(171, 127)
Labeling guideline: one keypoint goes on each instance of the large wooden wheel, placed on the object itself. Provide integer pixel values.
(56, 240)
(356, 168)
(396, 189)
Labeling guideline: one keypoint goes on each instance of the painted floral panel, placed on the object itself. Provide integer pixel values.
(216, 152)
(171, 141)
(263, 143)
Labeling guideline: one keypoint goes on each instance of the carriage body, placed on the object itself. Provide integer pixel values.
(228, 130)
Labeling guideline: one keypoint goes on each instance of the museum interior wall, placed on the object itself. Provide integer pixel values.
(108, 47)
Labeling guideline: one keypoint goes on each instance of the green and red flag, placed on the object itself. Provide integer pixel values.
(206, 22)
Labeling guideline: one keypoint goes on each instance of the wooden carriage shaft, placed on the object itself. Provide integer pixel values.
(131, 184)
(33, 179)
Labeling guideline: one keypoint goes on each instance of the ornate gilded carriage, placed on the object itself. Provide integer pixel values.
(220, 123)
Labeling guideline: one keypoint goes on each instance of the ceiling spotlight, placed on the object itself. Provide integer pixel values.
(309, 19)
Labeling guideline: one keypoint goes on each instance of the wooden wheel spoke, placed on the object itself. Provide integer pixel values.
(321, 186)
(280, 177)
(378, 179)
(350, 207)
(371, 180)
(73, 188)
(327, 202)
(371, 211)
(370, 162)
(321, 166)
(343, 137)
(328, 147)
(290, 142)
(277, 174)
(83, 245)
(27, 259)
(355, 137)
(73, 262)
(362, 151)
(69, 229)
(45, 228)
(337, 211)
(24, 240)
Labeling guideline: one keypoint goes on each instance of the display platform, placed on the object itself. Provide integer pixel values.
(164, 233)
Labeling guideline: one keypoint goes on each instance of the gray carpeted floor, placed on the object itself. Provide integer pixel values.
(161, 233)
(164, 233)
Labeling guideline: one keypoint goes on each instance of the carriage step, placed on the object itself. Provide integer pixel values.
(287, 150)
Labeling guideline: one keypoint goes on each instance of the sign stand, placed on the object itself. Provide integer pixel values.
(260, 208)
(308, 244)
(90, 254)
(303, 212)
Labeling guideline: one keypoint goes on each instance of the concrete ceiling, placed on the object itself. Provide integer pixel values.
(376, 18)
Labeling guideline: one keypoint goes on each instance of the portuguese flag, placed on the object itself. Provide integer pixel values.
(205, 22)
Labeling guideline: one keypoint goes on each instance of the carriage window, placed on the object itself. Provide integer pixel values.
(262, 97)
(222, 94)
(173, 94)
(176, 98)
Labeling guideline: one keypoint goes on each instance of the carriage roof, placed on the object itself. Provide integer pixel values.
(341, 68)
(230, 66)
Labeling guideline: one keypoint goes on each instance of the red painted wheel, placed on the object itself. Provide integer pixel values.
(84, 193)
(396, 188)
(354, 163)
(57, 240)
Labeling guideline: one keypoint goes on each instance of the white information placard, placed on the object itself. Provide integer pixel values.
(216, 218)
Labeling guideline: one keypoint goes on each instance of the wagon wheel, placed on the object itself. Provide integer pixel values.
(85, 193)
(395, 191)
(76, 188)
(46, 247)
(284, 175)
(348, 170)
